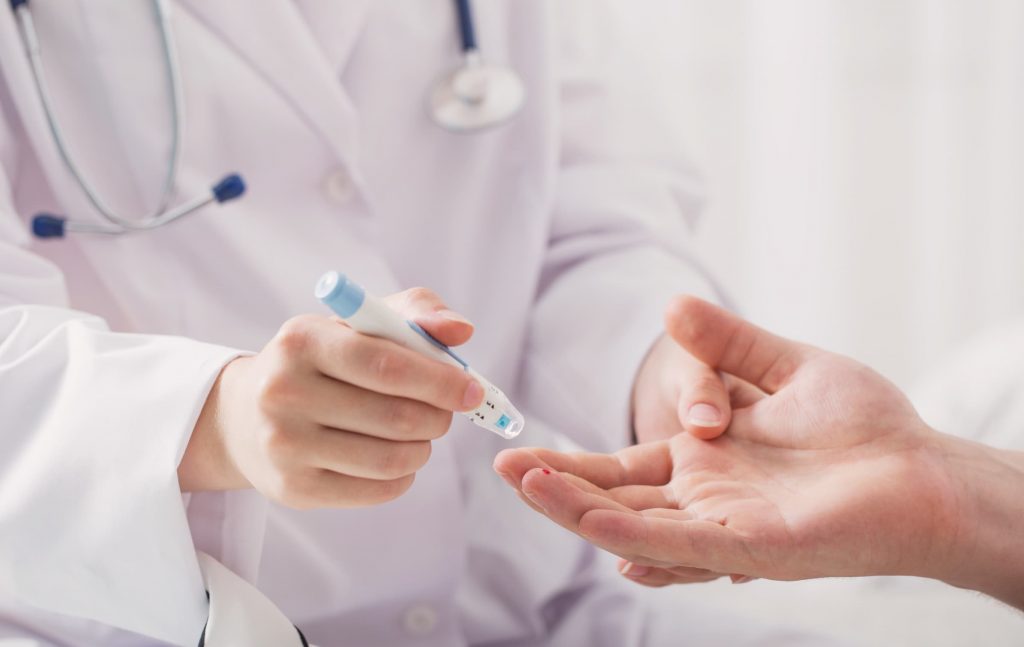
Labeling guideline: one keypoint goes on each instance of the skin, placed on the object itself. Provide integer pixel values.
(325, 417)
(825, 470)
(676, 392)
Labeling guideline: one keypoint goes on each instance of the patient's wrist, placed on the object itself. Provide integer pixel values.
(988, 551)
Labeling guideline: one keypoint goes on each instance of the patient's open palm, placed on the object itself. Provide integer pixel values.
(816, 461)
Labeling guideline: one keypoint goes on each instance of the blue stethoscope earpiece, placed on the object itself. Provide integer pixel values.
(50, 226)
(46, 225)
(230, 187)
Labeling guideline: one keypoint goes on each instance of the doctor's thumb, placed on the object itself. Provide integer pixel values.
(428, 310)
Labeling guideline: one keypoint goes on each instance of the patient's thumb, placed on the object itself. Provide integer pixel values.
(699, 327)
(727, 343)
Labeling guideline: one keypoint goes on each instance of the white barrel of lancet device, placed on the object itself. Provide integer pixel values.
(371, 316)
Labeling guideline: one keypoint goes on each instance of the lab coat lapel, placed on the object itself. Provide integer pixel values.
(274, 38)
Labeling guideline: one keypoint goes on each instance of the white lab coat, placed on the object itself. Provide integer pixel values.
(540, 231)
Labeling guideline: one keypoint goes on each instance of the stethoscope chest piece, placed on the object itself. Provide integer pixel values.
(476, 96)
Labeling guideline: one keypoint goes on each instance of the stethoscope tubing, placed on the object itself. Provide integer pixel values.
(467, 28)
(453, 108)
(159, 215)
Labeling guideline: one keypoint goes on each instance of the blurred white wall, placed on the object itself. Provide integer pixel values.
(864, 162)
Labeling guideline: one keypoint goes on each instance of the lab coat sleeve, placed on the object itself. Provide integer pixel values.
(625, 203)
(92, 426)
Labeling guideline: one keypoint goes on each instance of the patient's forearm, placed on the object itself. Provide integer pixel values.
(989, 556)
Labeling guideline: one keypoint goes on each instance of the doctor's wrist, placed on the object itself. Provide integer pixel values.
(207, 463)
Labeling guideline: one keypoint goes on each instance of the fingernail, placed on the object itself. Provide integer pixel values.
(704, 415)
(508, 479)
(451, 315)
(473, 396)
(740, 579)
(629, 569)
(534, 501)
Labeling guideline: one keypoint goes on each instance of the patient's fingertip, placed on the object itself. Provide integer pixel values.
(535, 475)
(703, 414)
(502, 459)
(684, 317)
(534, 498)
(505, 454)
(505, 476)
(634, 571)
(705, 433)
(517, 460)
(678, 307)
(703, 420)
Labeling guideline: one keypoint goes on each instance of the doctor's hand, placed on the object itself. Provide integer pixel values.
(325, 416)
(825, 470)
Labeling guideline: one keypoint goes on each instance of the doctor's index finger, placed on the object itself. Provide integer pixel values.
(383, 366)
(728, 343)
(426, 308)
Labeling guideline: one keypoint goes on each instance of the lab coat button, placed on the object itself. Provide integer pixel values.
(338, 187)
(419, 619)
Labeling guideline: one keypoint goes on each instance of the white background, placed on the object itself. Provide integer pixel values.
(864, 163)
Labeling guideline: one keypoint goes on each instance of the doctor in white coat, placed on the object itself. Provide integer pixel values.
(111, 346)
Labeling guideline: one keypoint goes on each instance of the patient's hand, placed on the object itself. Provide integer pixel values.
(826, 469)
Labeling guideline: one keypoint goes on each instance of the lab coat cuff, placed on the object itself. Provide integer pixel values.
(230, 525)
(101, 472)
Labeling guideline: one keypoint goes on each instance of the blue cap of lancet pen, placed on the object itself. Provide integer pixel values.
(341, 295)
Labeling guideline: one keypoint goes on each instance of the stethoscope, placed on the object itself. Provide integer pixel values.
(473, 97)
(476, 95)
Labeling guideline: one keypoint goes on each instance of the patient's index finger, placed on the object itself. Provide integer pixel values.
(563, 501)
(647, 464)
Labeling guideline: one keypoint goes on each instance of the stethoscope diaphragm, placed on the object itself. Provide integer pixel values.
(476, 96)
